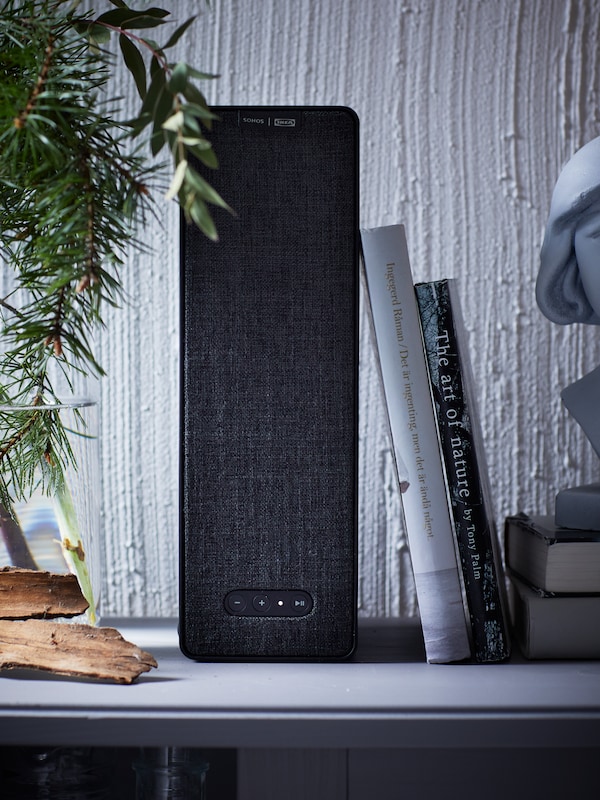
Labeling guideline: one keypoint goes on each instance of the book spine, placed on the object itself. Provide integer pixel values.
(397, 333)
(448, 360)
(551, 625)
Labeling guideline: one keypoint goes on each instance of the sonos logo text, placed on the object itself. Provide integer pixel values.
(259, 119)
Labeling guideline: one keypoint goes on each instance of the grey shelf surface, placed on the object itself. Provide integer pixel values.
(386, 696)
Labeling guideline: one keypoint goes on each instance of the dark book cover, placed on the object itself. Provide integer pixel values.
(549, 625)
(466, 471)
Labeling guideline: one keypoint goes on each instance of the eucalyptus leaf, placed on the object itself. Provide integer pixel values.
(198, 212)
(176, 36)
(174, 122)
(202, 76)
(98, 33)
(143, 21)
(162, 110)
(191, 124)
(117, 17)
(157, 141)
(177, 181)
(135, 63)
(155, 90)
(179, 78)
(199, 111)
(153, 46)
(155, 64)
(206, 155)
(159, 13)
(197, 143)
(201, 187)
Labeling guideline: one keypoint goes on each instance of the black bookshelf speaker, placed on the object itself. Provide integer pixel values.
(269, 393)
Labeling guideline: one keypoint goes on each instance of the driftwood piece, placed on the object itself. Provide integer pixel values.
(71, 649)
(26, 593)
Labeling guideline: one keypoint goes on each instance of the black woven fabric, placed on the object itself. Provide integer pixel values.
(269, 391)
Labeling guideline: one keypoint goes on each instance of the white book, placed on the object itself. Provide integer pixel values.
(403, 369)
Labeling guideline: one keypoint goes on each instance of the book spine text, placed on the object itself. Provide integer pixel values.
(449, 371)
(403, 370)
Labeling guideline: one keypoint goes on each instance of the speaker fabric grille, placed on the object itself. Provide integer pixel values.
(269, 393)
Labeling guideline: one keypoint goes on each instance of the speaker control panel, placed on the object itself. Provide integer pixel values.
(259, 603)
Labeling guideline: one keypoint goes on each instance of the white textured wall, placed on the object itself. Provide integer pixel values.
(468, 110)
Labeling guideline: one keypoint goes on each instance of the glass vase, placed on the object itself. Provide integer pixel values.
(50, 502)
(170, 773)
(55, 773)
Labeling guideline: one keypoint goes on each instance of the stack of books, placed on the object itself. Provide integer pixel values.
(555, 579)
(425, 370)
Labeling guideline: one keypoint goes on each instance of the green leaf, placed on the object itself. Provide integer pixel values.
(196, 111)
(152, 45)
(199, 213)
(178, 179)
(157, 141)
(191, 124)
(202, 76)
(118, 16)
(82, 27)
(196, 103)
(156, 89)
(193, 142)
(98, 34)
(200, 186)
(134, 63)
(194, 95)
(72, 544)
(179, 78)
(157, 12)
(155, 65)
(176, 36)
(125, 17)
(163, 108)
(171, 138)
(145, 20)
(174, 122)
(206, 155)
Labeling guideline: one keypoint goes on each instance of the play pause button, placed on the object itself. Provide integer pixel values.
(299, 604)
(271, 603)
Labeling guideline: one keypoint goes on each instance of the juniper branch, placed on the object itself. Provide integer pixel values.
(74, 187)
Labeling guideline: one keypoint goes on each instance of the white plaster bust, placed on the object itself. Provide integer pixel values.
(567, 291)
(568, 284)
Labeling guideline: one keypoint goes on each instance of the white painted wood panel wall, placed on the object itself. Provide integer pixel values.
(468, 109)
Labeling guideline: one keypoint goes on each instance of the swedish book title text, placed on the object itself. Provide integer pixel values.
(397, 310)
